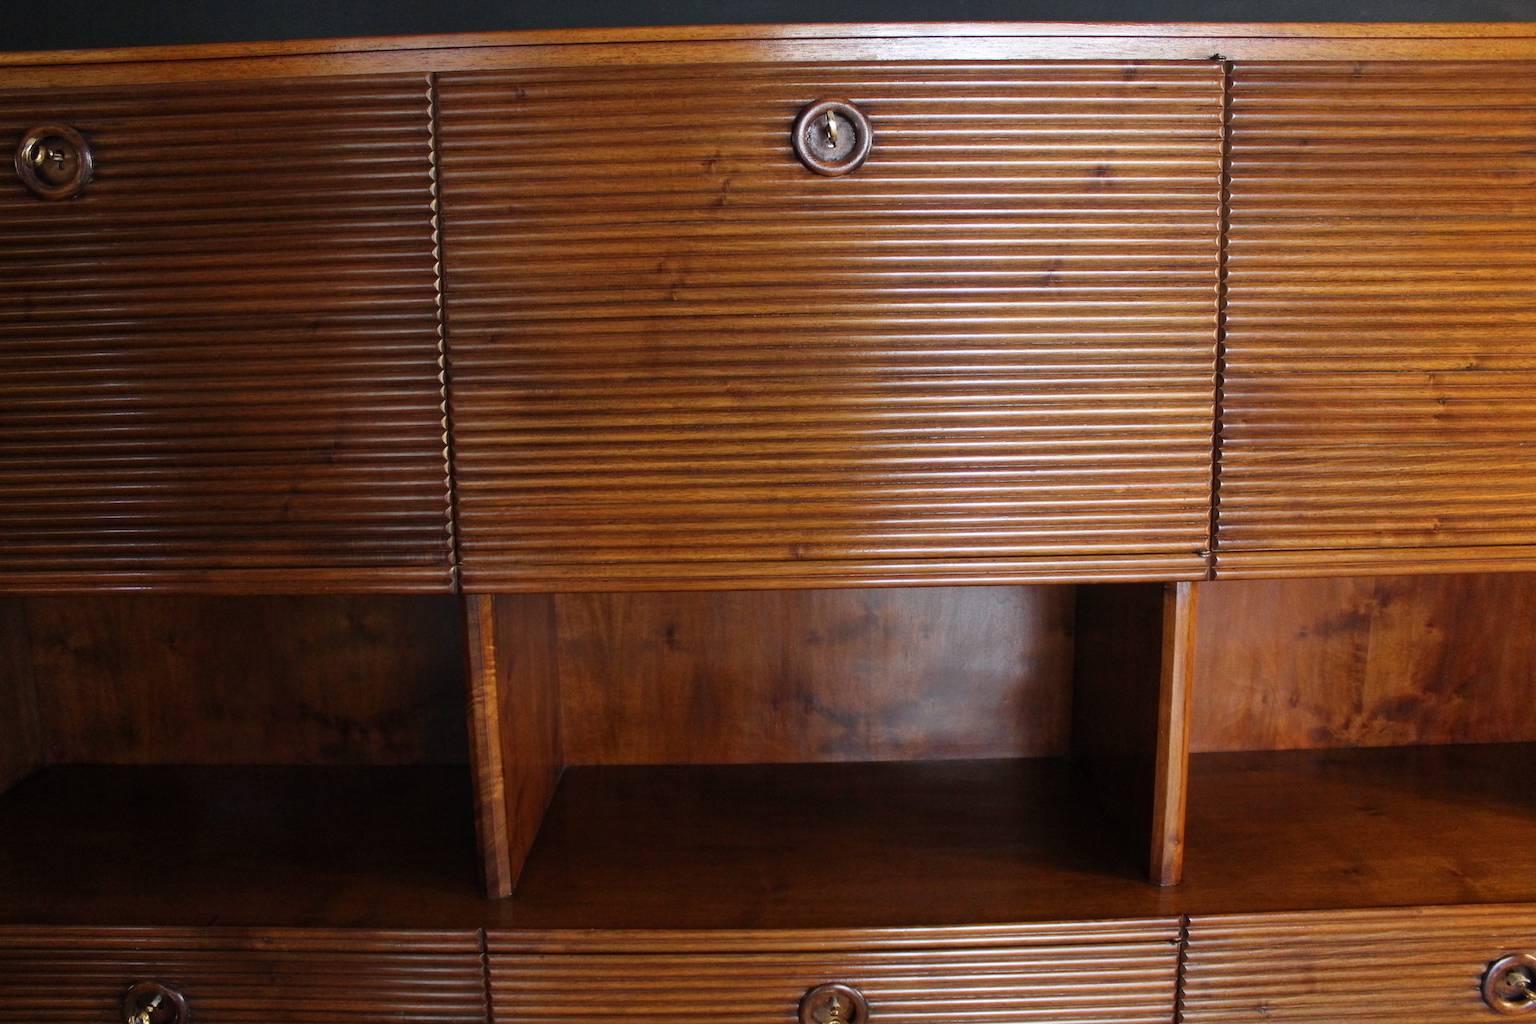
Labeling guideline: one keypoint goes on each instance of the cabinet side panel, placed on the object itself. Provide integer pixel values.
(680, 358)
(1380, 359)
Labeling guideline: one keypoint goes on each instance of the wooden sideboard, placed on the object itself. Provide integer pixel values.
(1057, 552)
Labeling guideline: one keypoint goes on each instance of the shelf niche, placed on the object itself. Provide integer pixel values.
(846, 740)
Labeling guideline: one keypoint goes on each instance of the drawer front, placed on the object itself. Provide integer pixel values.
(1124, 973)
(679, 357)
(219, 367)
(1421, 965)
(1380, 358)
(80, 976)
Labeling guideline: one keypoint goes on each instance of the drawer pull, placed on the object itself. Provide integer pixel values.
(150, 1002)
(834, 1004)
(54, 162)
(1509, 987)
(832, 137)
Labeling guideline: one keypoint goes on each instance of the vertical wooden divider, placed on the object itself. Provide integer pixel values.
(1131, 710)
(514, 727)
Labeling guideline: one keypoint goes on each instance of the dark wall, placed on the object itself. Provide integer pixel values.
(51, 24)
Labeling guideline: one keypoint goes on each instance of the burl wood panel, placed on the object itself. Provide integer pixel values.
(1380, 361)
(240, 680)
(827, 675)
(1365, 662)
(80, 975)
(1423, 965)
(514, 725)
(220, 367)
(680, 359)
(1045, 973)
(1133, 664)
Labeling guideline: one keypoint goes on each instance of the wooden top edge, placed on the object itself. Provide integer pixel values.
(1361, 31)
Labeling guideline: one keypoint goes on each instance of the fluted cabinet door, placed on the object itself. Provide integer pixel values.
(678, 357)
(1380, 387)
(220, 366)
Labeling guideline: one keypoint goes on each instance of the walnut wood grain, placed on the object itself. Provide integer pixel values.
(1365, 662)
(79, 976)
(1320, 968)
(684, 361)
(241, 680)
(831, 675)
(219, 369)
(1131, 708)
(514, 725)
(1378, 365)
(1017, 974)
(728, 44)
(22, 750)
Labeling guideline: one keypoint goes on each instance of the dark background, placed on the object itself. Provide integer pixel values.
(66, 24)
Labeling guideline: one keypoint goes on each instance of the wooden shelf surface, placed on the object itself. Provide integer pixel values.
(783, 846)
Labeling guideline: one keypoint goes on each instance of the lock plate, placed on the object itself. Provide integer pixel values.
(54, 162)
(832, 137)
(834, 1004)
(1509, 987)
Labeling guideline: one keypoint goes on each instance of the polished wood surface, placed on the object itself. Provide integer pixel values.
(514, 721)
(22, 749)
(242, 680)
(726, 44)
(1131, 707)
(219, 368)
(886, 844)
(682, 360)
(1320, 968)
(1310, 830)
(79, 976)
(831, 675)
(1016, 974)
(1378, 363)
(249, 846)
(1365, 662)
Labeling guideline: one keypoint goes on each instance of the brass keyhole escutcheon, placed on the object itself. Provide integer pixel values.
(54, 162)
(834, 1004)
(832, 137)
(1509, 987)
(150, 1002)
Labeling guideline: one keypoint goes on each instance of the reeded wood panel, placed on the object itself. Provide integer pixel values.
(1380, 362)
(679, 357)
(219, 369)
(1054, 973)
(79, 975)
(1365, 662)
(1422, 965)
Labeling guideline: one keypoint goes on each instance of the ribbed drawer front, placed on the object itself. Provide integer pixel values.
(1423, 965)
(1380, 388)
(680, 357)
(220, 367)
(1066, 974)
(79, 975)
